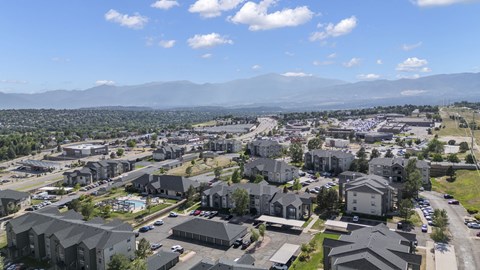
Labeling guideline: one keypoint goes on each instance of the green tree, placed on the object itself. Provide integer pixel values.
(375, 153)
(119, 262)
(435, 146)
(139, 264)
(131, 143)
(453, 158)
(262, 229)
(389, 154)
(217, 172)
(296, 184)
(77, 187)
(437, 157)
(254, 236)
(469, 159)
(405, 209)
(451, 142)
(87, 210)
(75, 205)
(362, 154)
(296, 152)
(258, 178)
(464, 147)
(162, 171)
(315, 143)
(440, 218)
(451, 173)
(241, 201)
(236, 176)
(143, 249)
(190, 196)
(106, 211)
(413, 180)
(148, 203)
(120, 152)
(438, 235)
(189, 170)
(192, 162)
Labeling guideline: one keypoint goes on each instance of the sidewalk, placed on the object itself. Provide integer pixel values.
(309, 226)
(429, 256)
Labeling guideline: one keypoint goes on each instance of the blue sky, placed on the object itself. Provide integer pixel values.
(57, 44)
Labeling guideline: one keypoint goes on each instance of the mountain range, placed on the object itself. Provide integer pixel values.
(265, 90)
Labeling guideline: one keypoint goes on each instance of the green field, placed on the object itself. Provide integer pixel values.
(465, 188)
(316, 257)
(319, 224)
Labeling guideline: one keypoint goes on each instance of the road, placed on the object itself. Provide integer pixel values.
(466, 247)
(265, 125)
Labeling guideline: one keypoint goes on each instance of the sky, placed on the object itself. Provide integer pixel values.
(78, 44)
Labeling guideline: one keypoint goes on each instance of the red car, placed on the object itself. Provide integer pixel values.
(197, 212)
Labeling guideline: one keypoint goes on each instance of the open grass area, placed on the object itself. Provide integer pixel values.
(319, 225)
(202, 167)
(307, 222)
(316, 257)
(205, 124)
(112, 194)
(3, 239)
(450, 127)
(465, 188)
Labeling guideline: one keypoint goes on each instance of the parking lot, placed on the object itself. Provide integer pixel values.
(275, 237)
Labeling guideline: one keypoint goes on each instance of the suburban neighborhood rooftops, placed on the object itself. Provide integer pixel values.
(209, 228)
(13, 194)
(270, 165)
(397, 160)
(330, 153)
(167, 182)
(39, 163)
(284, 253)
(161, 259)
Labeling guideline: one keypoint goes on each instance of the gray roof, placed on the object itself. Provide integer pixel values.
(210, 228)
(269, 165)
(265, 143)
(161, 259)
(372, 248)
(243, 263)
(13, 194)
(369, 183)
(397, 160)
(168, 148)
(286, 199)
(257, 189)
(330, 153)
(70, 229)
(167, 182)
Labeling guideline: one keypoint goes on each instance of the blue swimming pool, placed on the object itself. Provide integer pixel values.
(138, 204)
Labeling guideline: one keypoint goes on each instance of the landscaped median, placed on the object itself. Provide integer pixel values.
(314, 259)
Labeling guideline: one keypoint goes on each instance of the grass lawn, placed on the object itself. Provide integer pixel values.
(205, 124)
(36, 202)
(112, 194)
(139, 167)
(465, 188)
(3, 239)
(316, 257)
(202, 167)
(319, 225)
(307, 222)
(130, 217)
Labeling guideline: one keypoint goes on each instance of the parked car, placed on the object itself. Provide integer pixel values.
(155, 246)
(173, 214)
(246, 243)
(137, 234)
(151, 227)
(424, 228)
(447, 196)
(212, 214)
(430, 222)
(228, 217)
(279, 266)
(192, 213)
(197, 212)
(206, 214)
(473, 225)
(177, 248)
(238, 242)
(355, 219)
(314, 191)
(400, 225)
(454, 202)
(158, 222)
(144, 229)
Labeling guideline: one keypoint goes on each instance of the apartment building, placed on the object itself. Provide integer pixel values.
(335, 161)
(264, 148)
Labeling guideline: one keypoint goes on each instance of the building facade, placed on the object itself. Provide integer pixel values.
(272, 170)
(264, 148)
(395, 168)
(370, 195)
(228, 146)
(168, 152)
(85, 150)
(98, 170)
(328, 161)
(169, 186)
(12, 201)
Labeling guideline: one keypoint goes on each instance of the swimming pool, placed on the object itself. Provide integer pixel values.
(138, 204)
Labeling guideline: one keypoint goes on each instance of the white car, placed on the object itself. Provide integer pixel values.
(279, 266)
(177, 248)
(355, 219)
(473, 225)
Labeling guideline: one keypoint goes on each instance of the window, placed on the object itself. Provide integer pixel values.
(373, 203)
(129, 248)
(372, 211)
(373, 196)
(355, 194)
(354, 208)
(111, 249)
(354, 201)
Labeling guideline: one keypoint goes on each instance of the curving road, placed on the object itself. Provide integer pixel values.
(266, 124)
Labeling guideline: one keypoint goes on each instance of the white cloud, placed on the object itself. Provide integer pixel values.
(256, 67)
(409, 47)
(289, 53)
(379, 62)
(256, 16)
(13, 81)
(414, 76)
(296, 74)
(207, 55)
(60, 59)
(352, 62)
(135, 21)
(208, 40)
(332, 55)
(369, 76)
(104, 82)
(344, 27)
(429, 3)
(412, 92)
(322, 63)
(413, 64)
(213, 8)
(165, 4)
(166, 43)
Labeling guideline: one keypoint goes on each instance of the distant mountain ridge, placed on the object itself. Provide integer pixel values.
(271, 90)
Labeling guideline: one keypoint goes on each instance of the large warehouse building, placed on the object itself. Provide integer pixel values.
(85, 150)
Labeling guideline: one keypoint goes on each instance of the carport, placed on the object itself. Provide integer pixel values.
(285, 253)
(281, 221)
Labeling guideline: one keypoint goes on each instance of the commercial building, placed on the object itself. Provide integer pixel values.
(370, 195)
(210, 232)
(264, 148)
(227, 146)
(339, 143)
(416, 122)
(168, 152)
(392, 127)
(373, 137)
(12, 201)
(264, 199)
(272, 170)
(85, 150)
(67, 241)
(343, 133)
(395, 168)
(371, 248)
(328, 161)
(169, 186)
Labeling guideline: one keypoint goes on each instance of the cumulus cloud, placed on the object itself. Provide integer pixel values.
(413, 64)
(213, 8)
(412, 92)
(379, 62)
(352, 62)
(332, 55)
(256, 67)
(208, 41)
(367, 77)
(344, 27)
(296, 74)
(257, 18)
(206, 55)
(165, 4)
(104, 82)
(409, 47)
(322, 63)
(430, 3)
(135, 21)
(166, 43)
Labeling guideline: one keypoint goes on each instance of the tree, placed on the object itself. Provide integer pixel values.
(139, 264)
(77, 187)
(143, 249)
(192, 162)
(217, 172)
(296, 152)
(131, 143)
(119, 262)
(375, 153)
(437, 157)
(451, 173)
(120, 152)
(315, 143)
(362, 154)
(235, 176)
(435, 146)
(451, 142)
(464, 147)
(190, 195)
(87, 210)
(188, 171)
(75, 205)
(162, 171)
(113, 155)
(453, 158)
(440, 218)
(254, 236)
(439, 235)
(413, 180)
(258, 178)
(469, 159)
(327, 199)
(389, 154)
(261, 230)
(105, 211)
(148, 203)
(296, 185)
(241, 201)
(405, 209)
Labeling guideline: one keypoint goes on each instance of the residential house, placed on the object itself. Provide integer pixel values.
(395, 168)
(371, 248)
(272, 170)
(169, 186)
(67, 241)
(228, 146)
(168, 152)
(370, 195)
(264, 199)
(98, 170)
(345, 177)
(335, 161)
(12, 201)
(264, 148)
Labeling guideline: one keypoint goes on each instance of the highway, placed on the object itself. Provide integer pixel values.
(265, 125)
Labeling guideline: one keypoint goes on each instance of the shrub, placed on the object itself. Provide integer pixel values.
(472, 211)
(477, 216)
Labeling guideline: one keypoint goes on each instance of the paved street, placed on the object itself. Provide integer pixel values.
(467, 248)
(265, 125)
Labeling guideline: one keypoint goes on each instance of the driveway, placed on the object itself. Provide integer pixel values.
(467, 248)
